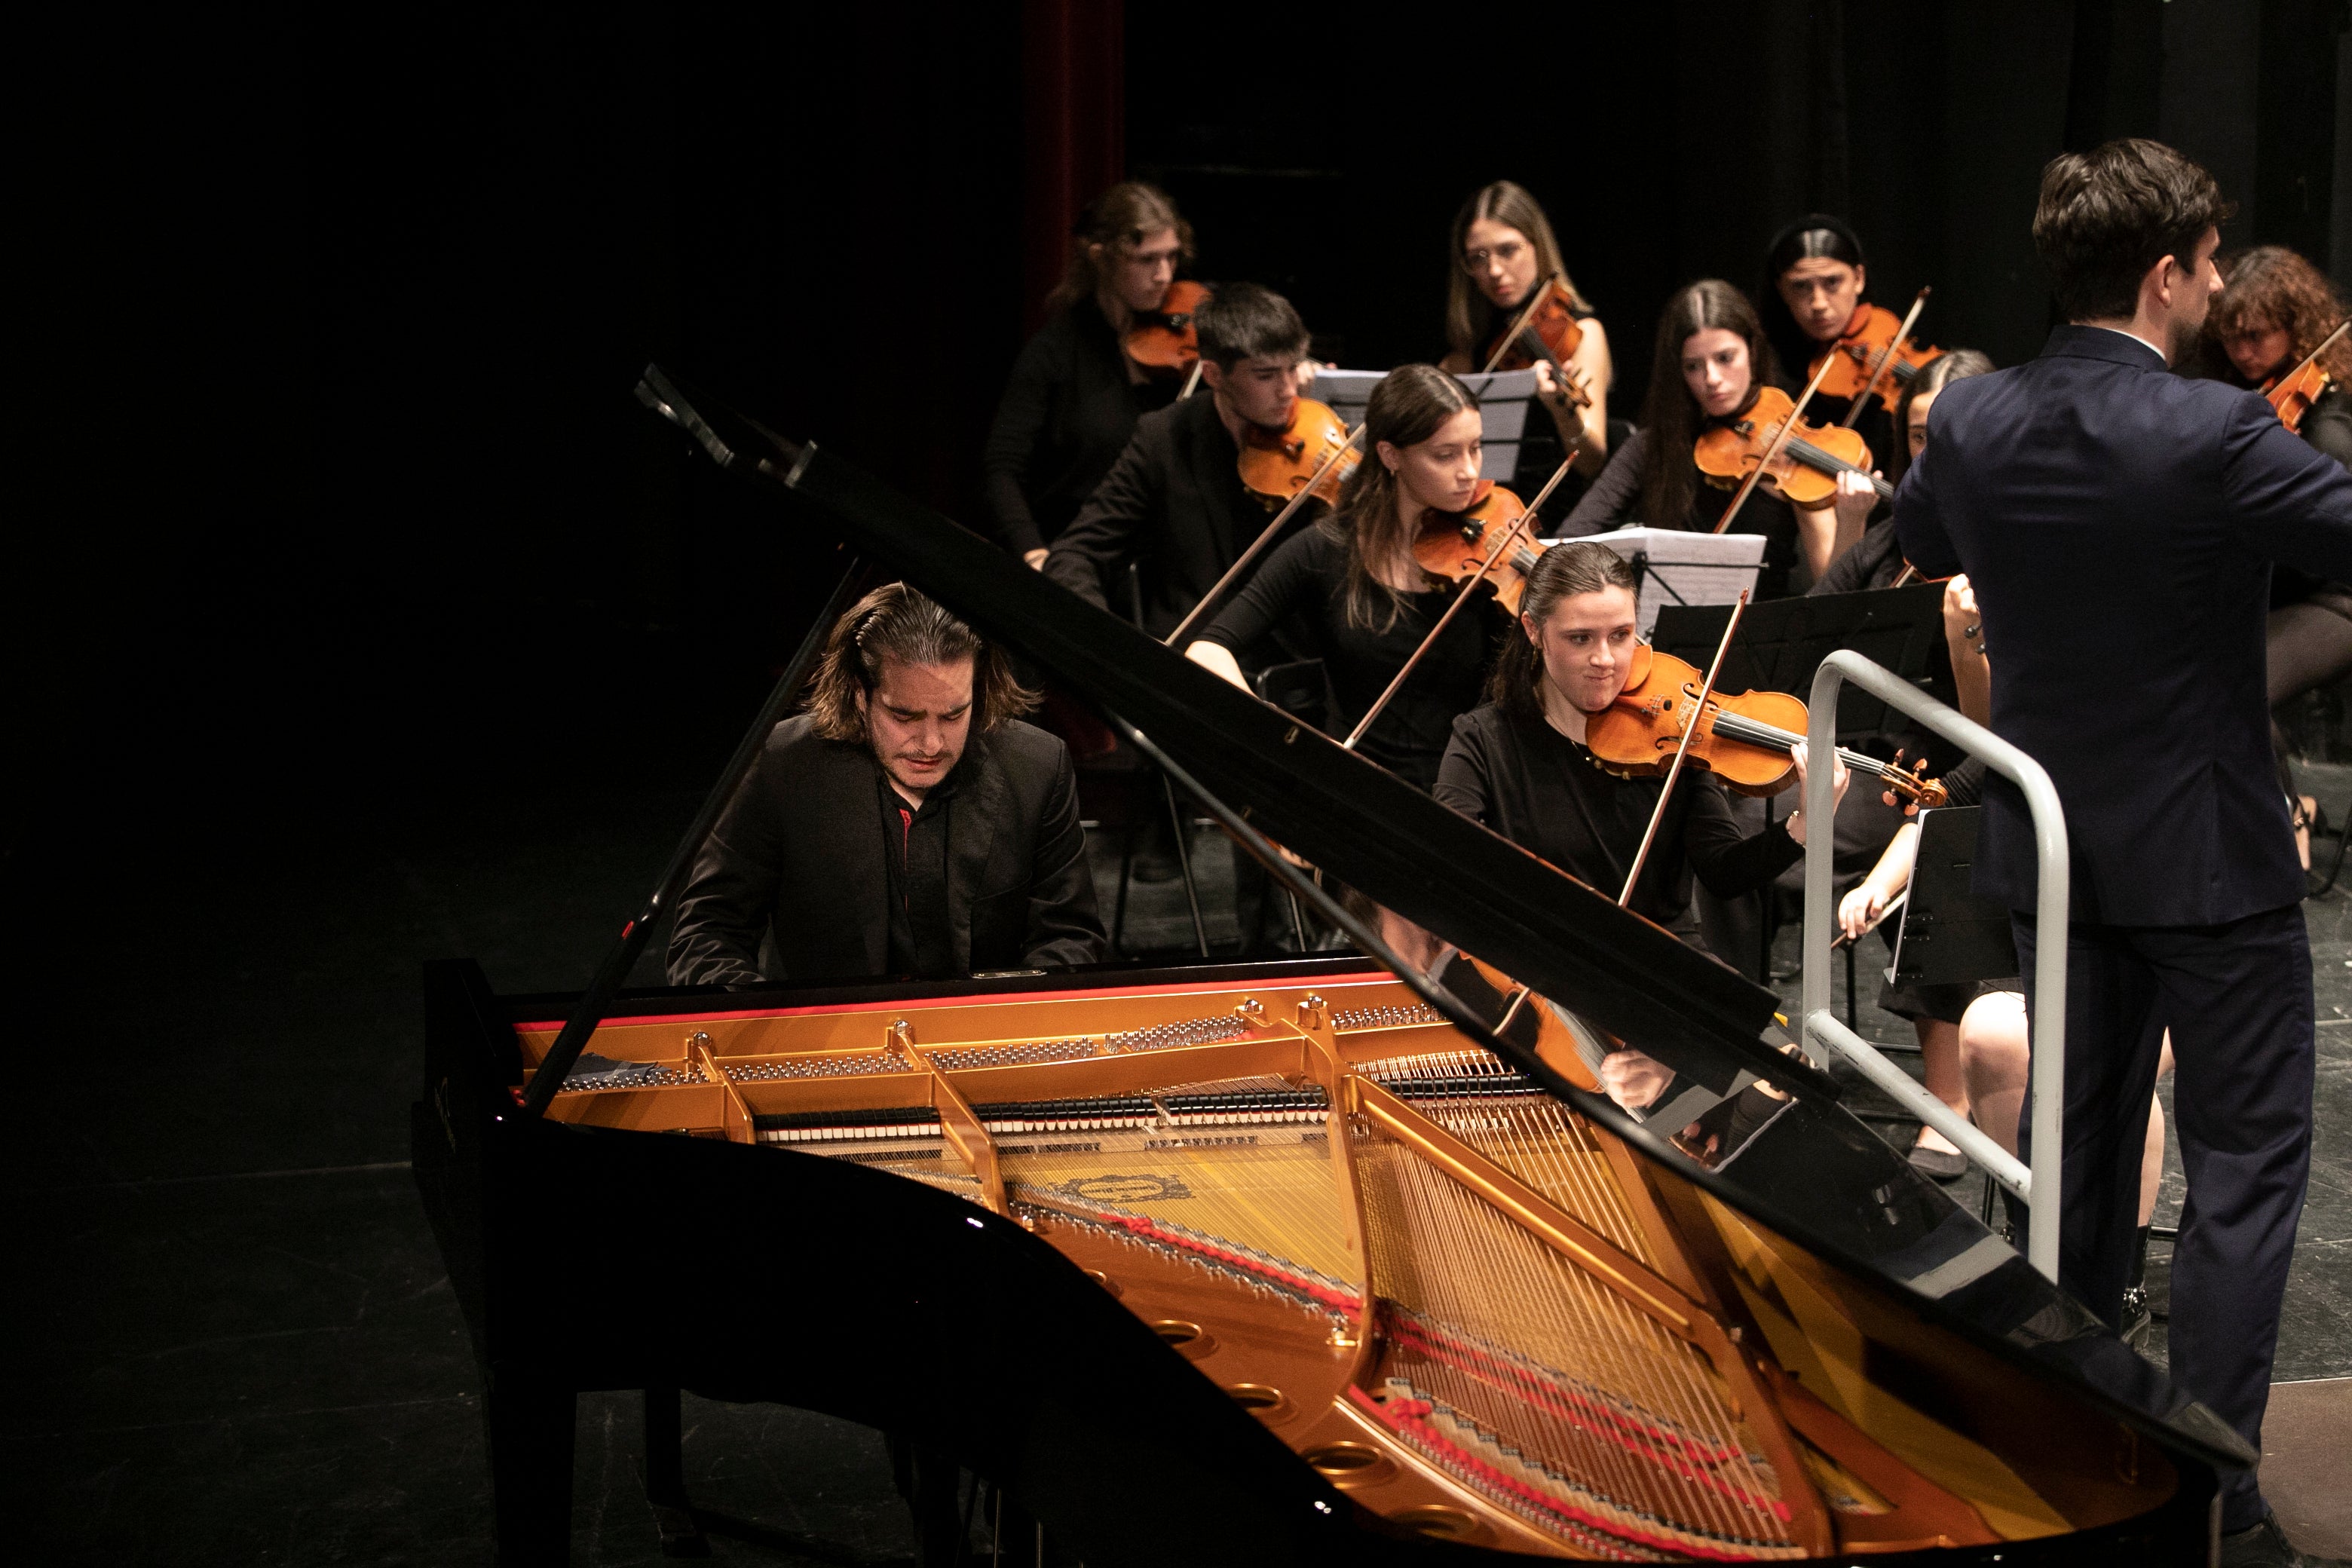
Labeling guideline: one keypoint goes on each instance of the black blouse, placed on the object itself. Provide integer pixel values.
(1875, 562)
(1304, 582)
(1066, 417)
(1615, 501)
(1543, 791)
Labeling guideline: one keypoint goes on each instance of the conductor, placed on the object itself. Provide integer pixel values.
(2114, 517)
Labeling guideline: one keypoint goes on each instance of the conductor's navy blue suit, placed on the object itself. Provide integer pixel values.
(2118, 523)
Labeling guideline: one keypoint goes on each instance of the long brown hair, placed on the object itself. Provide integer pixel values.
(2270, 286)
(1405, 409)
(1670, 416)
(1121, 218)
(897, 622)
(1471, 322)
(1560, 573)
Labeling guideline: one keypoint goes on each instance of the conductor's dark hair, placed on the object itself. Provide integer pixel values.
(1247, 320)
(1120, 220)
(1814, 236)
(1937, 373)
(1670, 417)
(895, 621)
(1406, 408)
(1560, 573)
(2106, 216)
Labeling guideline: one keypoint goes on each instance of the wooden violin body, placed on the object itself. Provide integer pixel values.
(1856, 354)
(2294, 393)
(1804, 468)
(1163, 341)
(1456, 545)
(1743, 740)
(1551, 335)
(1278, 464)
(1636, 735)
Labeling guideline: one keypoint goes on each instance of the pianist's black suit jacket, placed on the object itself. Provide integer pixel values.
(797, 859)
(2118, 523)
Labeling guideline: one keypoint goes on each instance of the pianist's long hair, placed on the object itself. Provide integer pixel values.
(896, 621)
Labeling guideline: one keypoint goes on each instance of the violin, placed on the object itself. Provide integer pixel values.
(1806, 465)
(1547, 333)
(1744, 741)
(1163, 341)
(1276, 464)
(2294, 391)
(1859, 351)
(1454, 545)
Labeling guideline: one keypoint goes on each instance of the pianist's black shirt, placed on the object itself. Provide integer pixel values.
(915, 840)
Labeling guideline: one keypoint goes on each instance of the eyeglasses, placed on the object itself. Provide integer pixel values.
(1508, 253)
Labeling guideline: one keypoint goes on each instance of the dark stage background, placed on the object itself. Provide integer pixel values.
(358, 615)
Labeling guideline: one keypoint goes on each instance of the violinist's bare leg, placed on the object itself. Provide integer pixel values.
(1939, 1052)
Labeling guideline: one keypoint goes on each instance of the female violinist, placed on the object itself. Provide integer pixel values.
(1877, 561)
(2273, 310)
(1709, 364)
(1503, 249)
(1519, 764)
(1353, 579)
(1076, 392)
(1815, 299)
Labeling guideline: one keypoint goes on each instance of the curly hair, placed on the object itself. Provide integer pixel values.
(896, 621)
(2272, 286)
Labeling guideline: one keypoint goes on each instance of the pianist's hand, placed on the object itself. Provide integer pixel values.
(1633, 1080)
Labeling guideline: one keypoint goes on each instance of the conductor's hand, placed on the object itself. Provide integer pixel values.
(1035, 558)
(1864, 904)
(1839, 779)
(1633, 1080)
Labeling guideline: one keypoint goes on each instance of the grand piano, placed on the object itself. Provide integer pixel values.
(1329, 1259)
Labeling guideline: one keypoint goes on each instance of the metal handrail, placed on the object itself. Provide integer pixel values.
(2049, 959)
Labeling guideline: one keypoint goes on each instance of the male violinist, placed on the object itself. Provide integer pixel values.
(2119, 525)
(907, 823)
(1174, 501)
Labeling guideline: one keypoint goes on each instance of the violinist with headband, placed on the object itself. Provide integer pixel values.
(1076, 394)
(1174, 501)
(1519, 765)
(1503, 251)
(1354, 580)
(1710, 363)
(2118, 524)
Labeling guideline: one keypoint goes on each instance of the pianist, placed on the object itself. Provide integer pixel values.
(907, 824)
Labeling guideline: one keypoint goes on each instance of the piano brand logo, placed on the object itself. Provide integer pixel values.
(1126, 1189)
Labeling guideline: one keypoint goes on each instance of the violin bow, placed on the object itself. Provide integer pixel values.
(1528, 313)
(1682, 750)
(1241, 563)
(1780, 440)
(1510, 533)
(1885, 363)
(2308, 360)
(1191, 381)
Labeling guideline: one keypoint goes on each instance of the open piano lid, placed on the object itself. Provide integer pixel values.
(1819, 1177)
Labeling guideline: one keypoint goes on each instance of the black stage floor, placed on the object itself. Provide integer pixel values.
(234, 1340)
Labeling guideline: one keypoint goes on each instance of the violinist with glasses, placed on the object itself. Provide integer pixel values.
(1076, 391)
(1504, 256)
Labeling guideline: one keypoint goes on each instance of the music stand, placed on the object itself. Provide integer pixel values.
(1950, 935)
(1782, 642)
(1675, 566)
(1503, 397)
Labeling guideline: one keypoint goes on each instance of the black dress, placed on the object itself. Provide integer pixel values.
(1065, 416)
(1615, 501)
(1304, 584)
(1544, 793)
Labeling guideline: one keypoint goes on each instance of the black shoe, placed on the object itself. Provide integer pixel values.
(2266, 1546)
(1943, 1164)
(2138, 1322)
